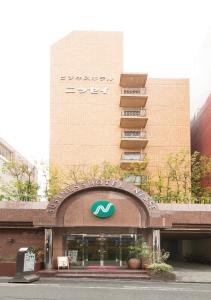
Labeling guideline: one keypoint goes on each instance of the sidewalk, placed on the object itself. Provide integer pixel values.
(192, 272)
(185, 273)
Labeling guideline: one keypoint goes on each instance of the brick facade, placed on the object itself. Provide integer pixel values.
(12, 239)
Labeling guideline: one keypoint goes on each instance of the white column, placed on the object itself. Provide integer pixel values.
(156, 244)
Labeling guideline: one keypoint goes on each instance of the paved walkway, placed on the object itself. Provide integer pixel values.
(185, 272)
(190, 272)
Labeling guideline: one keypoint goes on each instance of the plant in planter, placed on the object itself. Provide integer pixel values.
(146, 255)
(160, 269)
(139, 254)
(160, 256)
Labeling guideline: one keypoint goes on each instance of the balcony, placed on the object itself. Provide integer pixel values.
(133, 118)
(133, 97)
(133, 80)
(128, 159)
(133, 139)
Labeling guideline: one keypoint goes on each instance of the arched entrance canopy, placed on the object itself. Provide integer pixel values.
(145, 200)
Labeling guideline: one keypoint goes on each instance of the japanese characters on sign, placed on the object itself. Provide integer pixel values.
(91, 90)
(29, 261)
(87, 78)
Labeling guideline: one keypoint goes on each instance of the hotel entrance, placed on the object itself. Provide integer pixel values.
(98, 250)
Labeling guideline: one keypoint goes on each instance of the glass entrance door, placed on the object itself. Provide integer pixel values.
(112, 251)
(94, 251)
(102, 251)
(105, 250)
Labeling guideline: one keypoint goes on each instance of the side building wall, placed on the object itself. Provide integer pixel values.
(201, 130)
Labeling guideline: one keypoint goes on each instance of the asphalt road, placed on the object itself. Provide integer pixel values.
(66, 289)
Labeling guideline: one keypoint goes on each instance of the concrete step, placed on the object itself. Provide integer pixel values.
(83, 273)
(104, 276)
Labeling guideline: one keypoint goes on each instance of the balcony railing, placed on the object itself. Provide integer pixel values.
(134, 113)
(134, 91)
(133, 140)
(133, 97)
(133, 156)
(134, 134)
(135, 118)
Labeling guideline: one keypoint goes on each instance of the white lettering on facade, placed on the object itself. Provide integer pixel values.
(86, 78)
(52, 207)
(82, 90)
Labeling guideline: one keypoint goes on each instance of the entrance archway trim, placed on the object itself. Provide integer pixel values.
(116, 185)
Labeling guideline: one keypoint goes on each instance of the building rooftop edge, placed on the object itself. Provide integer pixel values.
(13, 150)
(85, 32)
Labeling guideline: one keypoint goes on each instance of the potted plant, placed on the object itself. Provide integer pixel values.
(138, 254)
(145, 255)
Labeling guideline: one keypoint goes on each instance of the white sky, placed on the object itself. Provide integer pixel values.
(161, 37)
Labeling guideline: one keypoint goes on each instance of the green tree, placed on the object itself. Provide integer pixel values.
(20, 184)
(59, 178)
(201, 175)
(173, 181)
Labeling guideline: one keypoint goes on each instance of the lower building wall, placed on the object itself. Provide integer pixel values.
(12, 239)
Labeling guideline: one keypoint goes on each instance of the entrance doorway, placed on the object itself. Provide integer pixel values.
(98, 250)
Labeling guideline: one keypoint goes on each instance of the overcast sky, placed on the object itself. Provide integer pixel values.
(161, 37)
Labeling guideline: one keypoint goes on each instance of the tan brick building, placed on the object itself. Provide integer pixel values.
(99, 113)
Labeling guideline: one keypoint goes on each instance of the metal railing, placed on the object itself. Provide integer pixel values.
(134, 134)
(134, 113)
(136, 156)
(134, 91)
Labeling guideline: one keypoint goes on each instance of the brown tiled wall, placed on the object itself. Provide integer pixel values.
(21, 238)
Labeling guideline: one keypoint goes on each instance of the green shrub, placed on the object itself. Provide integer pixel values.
(160, 267)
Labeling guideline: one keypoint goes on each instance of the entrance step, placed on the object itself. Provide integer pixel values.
(102, 274)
